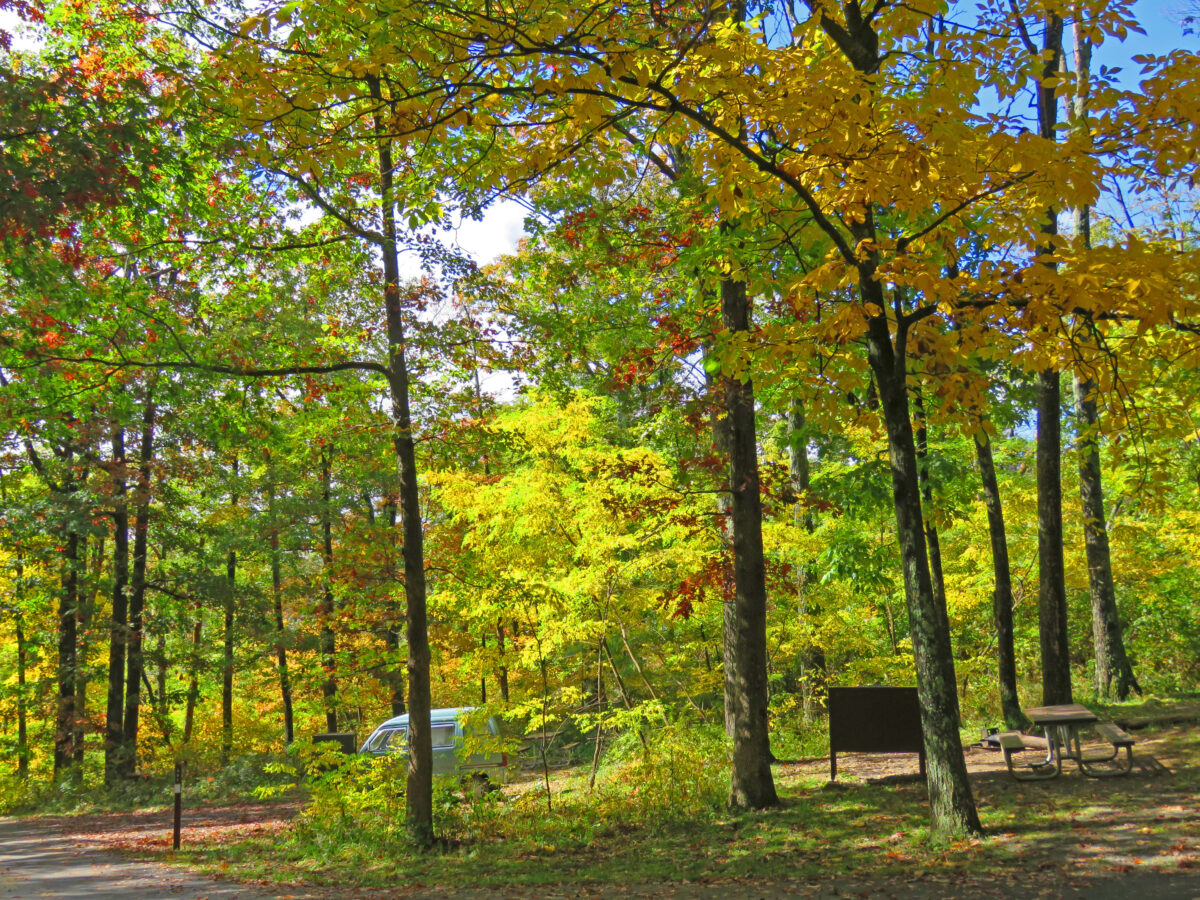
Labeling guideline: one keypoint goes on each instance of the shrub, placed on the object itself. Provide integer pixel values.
(351, 798)
(681, 774)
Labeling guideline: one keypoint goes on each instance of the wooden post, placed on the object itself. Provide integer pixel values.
(178, 789)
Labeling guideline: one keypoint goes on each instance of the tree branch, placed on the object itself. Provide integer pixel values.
(222, 369)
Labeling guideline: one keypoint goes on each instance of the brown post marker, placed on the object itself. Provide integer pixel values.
(178, 788)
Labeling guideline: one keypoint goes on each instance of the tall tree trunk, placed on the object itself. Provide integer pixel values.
(160, 651)
(1002, 596)
(419, 810)
(68, 737)
(22, 667)
(228, 642)
(325, 612)
(66, 713)
(1113, 670)
(812, 656)
(747, 690)
(66, 529)
(932, 541)
(391, 633)
(501, 668)
(952, 805)
(719, 423)
(193, 694)
(1052, 590)
(752, 785)
(743, 633)
(88, 594)
(137, 588)
(118, 631)
(281, 660)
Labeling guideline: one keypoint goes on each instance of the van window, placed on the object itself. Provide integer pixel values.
(442, 736)
(389, 740)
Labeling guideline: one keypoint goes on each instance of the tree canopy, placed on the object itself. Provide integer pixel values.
(767, 398)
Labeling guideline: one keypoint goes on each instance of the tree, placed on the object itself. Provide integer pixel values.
(690, 74)
(137, 586)
(1052, 590)
(1002, 593)
(114, 743)
(1111, 660)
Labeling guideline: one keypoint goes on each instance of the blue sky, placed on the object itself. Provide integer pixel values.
(1162, 21)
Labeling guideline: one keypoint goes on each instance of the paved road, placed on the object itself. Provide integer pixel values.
(38, 861)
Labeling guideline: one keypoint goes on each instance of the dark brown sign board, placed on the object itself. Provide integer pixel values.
(874, 720)
(344, 739)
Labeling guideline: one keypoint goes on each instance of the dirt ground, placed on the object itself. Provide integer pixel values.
(1155, 753)
(68, 858)
(1148, 847)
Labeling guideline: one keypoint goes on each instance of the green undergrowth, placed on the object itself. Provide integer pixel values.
(658, 814)
(228, 784)
(655, 810)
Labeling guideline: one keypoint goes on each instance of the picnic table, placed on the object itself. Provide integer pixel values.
(1061, 725)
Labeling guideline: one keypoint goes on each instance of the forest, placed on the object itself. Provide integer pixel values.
(844, 344)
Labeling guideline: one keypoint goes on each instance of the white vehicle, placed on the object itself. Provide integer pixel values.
(473, 750)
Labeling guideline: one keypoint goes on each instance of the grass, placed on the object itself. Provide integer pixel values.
(662, 819)
(814, 833)
(1075, 826)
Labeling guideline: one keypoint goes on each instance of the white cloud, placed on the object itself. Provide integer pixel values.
(484, 240)
(496, 234)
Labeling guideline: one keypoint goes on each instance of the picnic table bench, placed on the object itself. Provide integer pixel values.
(1115, 735)
(1061, 725)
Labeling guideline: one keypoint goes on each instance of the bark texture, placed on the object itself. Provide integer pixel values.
(391, 631)
(281, 659)
(1114, 671)
(66, 714)
(932, 540)
(135, 673)
(326, 610)
(1002, 594)
(419, 810)
(719, 424)
(118, 631)
(951, 803)
(1052, 591)
(752, 785)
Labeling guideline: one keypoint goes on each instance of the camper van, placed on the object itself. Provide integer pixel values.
(462, 744)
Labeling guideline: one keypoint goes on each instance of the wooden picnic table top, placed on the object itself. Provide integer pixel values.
(1061, 714)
